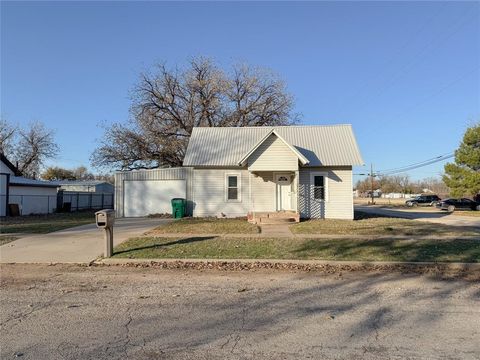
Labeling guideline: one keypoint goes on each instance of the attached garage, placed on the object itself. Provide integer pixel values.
(144, 192)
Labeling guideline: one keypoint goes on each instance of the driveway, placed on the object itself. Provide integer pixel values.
(71, 312)
(427, 215)
(80, 244)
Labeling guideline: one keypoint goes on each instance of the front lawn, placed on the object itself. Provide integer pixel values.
(372, 225)
(207, 226)
(43, 224)
(208, 247)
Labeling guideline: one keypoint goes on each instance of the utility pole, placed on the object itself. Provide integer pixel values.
(371, 183)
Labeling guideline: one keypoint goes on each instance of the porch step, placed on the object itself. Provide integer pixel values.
(276, 220)
(274, 217)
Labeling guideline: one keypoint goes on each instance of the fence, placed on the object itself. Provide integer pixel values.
(63, 201)
(84, 200)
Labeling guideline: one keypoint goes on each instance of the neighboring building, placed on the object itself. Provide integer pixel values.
(97, 186)
(32, 196)
(305, 171)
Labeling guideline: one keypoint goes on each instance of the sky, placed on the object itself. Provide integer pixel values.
(406, 75)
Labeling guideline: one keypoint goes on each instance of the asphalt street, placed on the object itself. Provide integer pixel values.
(79, 312)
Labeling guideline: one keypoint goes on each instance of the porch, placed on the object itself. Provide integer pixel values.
(273, 197)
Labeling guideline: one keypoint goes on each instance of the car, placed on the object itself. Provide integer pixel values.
(453, 204)
(426, 200)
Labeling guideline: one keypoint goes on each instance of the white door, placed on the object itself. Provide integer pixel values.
(142, 198)
(284, 191)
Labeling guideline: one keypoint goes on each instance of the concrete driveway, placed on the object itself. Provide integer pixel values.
(427, 215)
(80, 244)
(69, 312)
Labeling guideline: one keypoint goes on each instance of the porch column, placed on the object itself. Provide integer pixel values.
(296, 184)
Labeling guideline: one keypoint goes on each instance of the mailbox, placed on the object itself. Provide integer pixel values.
(105, 218)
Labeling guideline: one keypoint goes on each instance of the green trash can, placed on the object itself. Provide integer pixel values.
(179, 207)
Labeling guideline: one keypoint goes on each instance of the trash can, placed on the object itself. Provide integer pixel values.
(178, 207)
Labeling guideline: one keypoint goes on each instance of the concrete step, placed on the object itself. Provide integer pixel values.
(276, 220)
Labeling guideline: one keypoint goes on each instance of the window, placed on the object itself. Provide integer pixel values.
(233, 187)
(319, 187)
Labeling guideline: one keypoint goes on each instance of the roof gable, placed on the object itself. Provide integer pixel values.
(320, 145)
(300, 157)
(9, 165)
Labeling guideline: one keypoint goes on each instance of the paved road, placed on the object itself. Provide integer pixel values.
(428, 215)
(80, 244)
(72, 312)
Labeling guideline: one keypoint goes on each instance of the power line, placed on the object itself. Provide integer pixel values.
(408, 167)
(439, 157)
(416, 166)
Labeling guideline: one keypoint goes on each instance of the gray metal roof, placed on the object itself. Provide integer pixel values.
(322, 145)
(81, 182)
(22, 181)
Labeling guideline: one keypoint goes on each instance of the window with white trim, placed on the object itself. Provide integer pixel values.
(319, 187)
(233, 187)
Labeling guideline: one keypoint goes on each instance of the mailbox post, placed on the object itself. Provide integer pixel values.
(105, 220)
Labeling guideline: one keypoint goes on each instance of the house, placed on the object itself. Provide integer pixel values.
(97, 186)
(259, 172)
(31, 196)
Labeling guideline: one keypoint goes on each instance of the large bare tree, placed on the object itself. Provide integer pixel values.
(27, 147)
(167, 104)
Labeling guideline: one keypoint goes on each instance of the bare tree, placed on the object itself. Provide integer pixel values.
(28, 147)
(7, 136)
(168, 104)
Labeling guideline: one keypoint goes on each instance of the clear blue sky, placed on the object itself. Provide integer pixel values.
(405, 74)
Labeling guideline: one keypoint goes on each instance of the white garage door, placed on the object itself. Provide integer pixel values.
(151, 196)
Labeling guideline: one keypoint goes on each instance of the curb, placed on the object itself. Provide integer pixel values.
(445, 269)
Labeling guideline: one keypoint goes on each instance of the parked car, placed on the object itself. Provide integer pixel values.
(453, 204)
(426, 200)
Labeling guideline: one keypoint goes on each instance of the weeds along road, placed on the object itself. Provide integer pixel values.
(73, 312)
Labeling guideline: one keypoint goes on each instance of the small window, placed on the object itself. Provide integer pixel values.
(319, 187)
(232, 187)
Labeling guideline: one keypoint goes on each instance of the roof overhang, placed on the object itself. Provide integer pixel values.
(299, 155)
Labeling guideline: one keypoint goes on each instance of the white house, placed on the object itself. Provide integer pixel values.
(31, 196)
(259, 172)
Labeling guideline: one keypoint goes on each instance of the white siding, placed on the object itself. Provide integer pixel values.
(33, 199)
(159, 175)
(209, 193)
(142, 198)
(263, 191)
(4, 169)
(273, 155)
(339, 203)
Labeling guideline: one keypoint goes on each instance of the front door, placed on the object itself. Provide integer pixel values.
(284, 191)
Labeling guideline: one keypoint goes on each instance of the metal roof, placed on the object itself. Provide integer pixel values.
(81, 182)
(22, 181)
(321, 145)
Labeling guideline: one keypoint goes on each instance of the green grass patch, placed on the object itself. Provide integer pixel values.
(6, 239)
(374, 225)
(43, 224)
(445, 250)
(207, 226)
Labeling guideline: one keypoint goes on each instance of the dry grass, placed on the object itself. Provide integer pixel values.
(43, 224)
(373, 225)
(207, 226)
(381, 201)
(379, 249)
(467, 213)
(5, 239)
